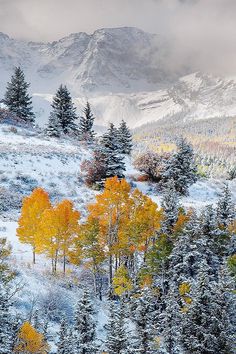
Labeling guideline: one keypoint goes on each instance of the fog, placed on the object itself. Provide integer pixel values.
(203, 32)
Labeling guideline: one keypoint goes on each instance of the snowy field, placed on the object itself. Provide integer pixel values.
(28, 161)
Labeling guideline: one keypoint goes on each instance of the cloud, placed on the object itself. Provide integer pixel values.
(202, 31)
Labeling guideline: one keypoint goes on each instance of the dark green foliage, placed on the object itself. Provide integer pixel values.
(63, 116)
(124, 139)
(86, 132)
(17, 98)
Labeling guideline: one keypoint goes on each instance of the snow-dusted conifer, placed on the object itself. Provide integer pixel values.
(53, 127)
(188, 251)
(86, 132)
(85, 327)
(206, 326)
(216, 240)
(181, 167)
(6, 322)
(146, 319)
(171, 324)
(64, 342)
(225, 208)
(124, 139)
(117, 341)
(17, 98)
(170, 206)
(63, 111)
(114, 159)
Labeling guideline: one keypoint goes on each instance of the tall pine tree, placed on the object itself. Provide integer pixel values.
(85, 328)
(64, 343)
(86, 132)
(6, 322)
(63, 115)
(114, 160)
(124, 139)
(181, 168)
(206, 327)
(117, 340)
(17, 98)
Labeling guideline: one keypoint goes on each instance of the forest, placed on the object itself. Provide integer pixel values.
(165, 272)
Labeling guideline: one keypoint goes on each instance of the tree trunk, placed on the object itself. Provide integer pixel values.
(34, 261)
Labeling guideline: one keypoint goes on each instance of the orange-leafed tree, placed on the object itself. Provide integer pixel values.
(57, 231)
(144, 221)
(30, 341)
(110, 210)
(33, 207)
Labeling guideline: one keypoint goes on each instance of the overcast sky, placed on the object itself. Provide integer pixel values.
(204, 29)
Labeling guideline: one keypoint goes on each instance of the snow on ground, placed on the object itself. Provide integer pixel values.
(27, 161)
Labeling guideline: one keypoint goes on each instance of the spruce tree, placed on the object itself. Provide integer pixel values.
(114, 160)
(17, 98)
(64, 342)
(63, 112)
(170, 206)
(188, 251)
(116, 342)
(206, 327)
(85, 328)
(225, 208)
(171, 324)
(181, 168)
(6, 322)
(86, 132)
(124, 139)
(146, 318)
(53, 127)
(216, 240)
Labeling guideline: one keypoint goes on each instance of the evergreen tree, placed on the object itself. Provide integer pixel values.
(181, 168)
(170, 206)
(86, 132)
(146, 318)
(216, 240)
(124, 139)
(6, 323)
(225, 208)
(116, 342)
(17, 98)
(114, 161)
(171, 324)
(53, 127)
(85, 329)
(64, 339)
(63, 113)
(188, 251)
(206, 327)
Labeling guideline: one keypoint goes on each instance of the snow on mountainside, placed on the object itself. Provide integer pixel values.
(195, 96)
(123, 72)
(109, 60)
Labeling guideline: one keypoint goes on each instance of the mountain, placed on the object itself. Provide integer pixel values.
(123, 72)
(109, 60)
(192, 97)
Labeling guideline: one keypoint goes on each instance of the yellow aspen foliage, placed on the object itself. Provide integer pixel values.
(143, 220)
(30, 341)
(57, 231)
(184, 290)
(121, 282)
(110, 209)
(182, 220)
(33, 207)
